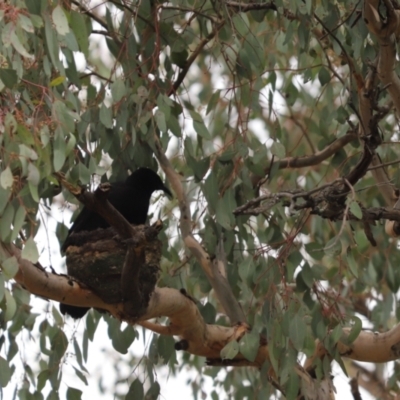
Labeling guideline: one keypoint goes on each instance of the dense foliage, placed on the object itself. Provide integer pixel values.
(246, 100)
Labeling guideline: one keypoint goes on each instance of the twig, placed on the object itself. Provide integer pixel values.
(383, 165)
(355, 391)
(317, 158)
(345, 216)
(192, 58)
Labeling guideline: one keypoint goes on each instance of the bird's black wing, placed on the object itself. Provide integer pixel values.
(131, 202)
(88, 220)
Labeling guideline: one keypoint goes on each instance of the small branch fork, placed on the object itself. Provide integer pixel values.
(288, 199)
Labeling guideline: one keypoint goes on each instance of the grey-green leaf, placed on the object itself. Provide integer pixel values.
(30, 251)
(10, 267)
(5, 372)
(249, 345)
(60, 21)
(356, 209)
(6, 178)
(230, 350)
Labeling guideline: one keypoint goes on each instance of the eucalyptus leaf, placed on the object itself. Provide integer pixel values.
(278, 150)
(30, 251)
(74, 394)
(160, 120)
(356, 210)
(17, 44)
(230, 350)
(10, 267)
(60, 21)
(78, 25)
(297, 332)
(249, 346)
(6, 178)
(11, 306)
(118, 90)
(136, 391)
(8, 76)
(355, 330)
(6, 372)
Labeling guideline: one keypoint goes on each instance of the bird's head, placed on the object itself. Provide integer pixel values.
(147, 180)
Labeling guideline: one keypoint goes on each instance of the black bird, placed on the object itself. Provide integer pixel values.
(131, 198)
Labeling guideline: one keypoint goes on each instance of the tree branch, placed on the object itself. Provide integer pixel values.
(185, 318)
(355, 391)
(317, 158)
(314, 159)
(52, 286)
(97, 202)
(218, 281)
(192, 58)
(369, 381)
(366, 107)
(386, 33)
(186, 322)
(246, 7)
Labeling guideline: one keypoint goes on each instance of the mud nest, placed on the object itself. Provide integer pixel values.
(96, 259)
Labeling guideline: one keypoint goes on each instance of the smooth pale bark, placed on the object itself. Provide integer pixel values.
(186, 321)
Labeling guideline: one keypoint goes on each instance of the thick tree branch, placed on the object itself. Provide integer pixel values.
(52, 286)
(197, 337)
(218, 281)
(185, 318)
(366, 100)
(369, 347)
(386, 33)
